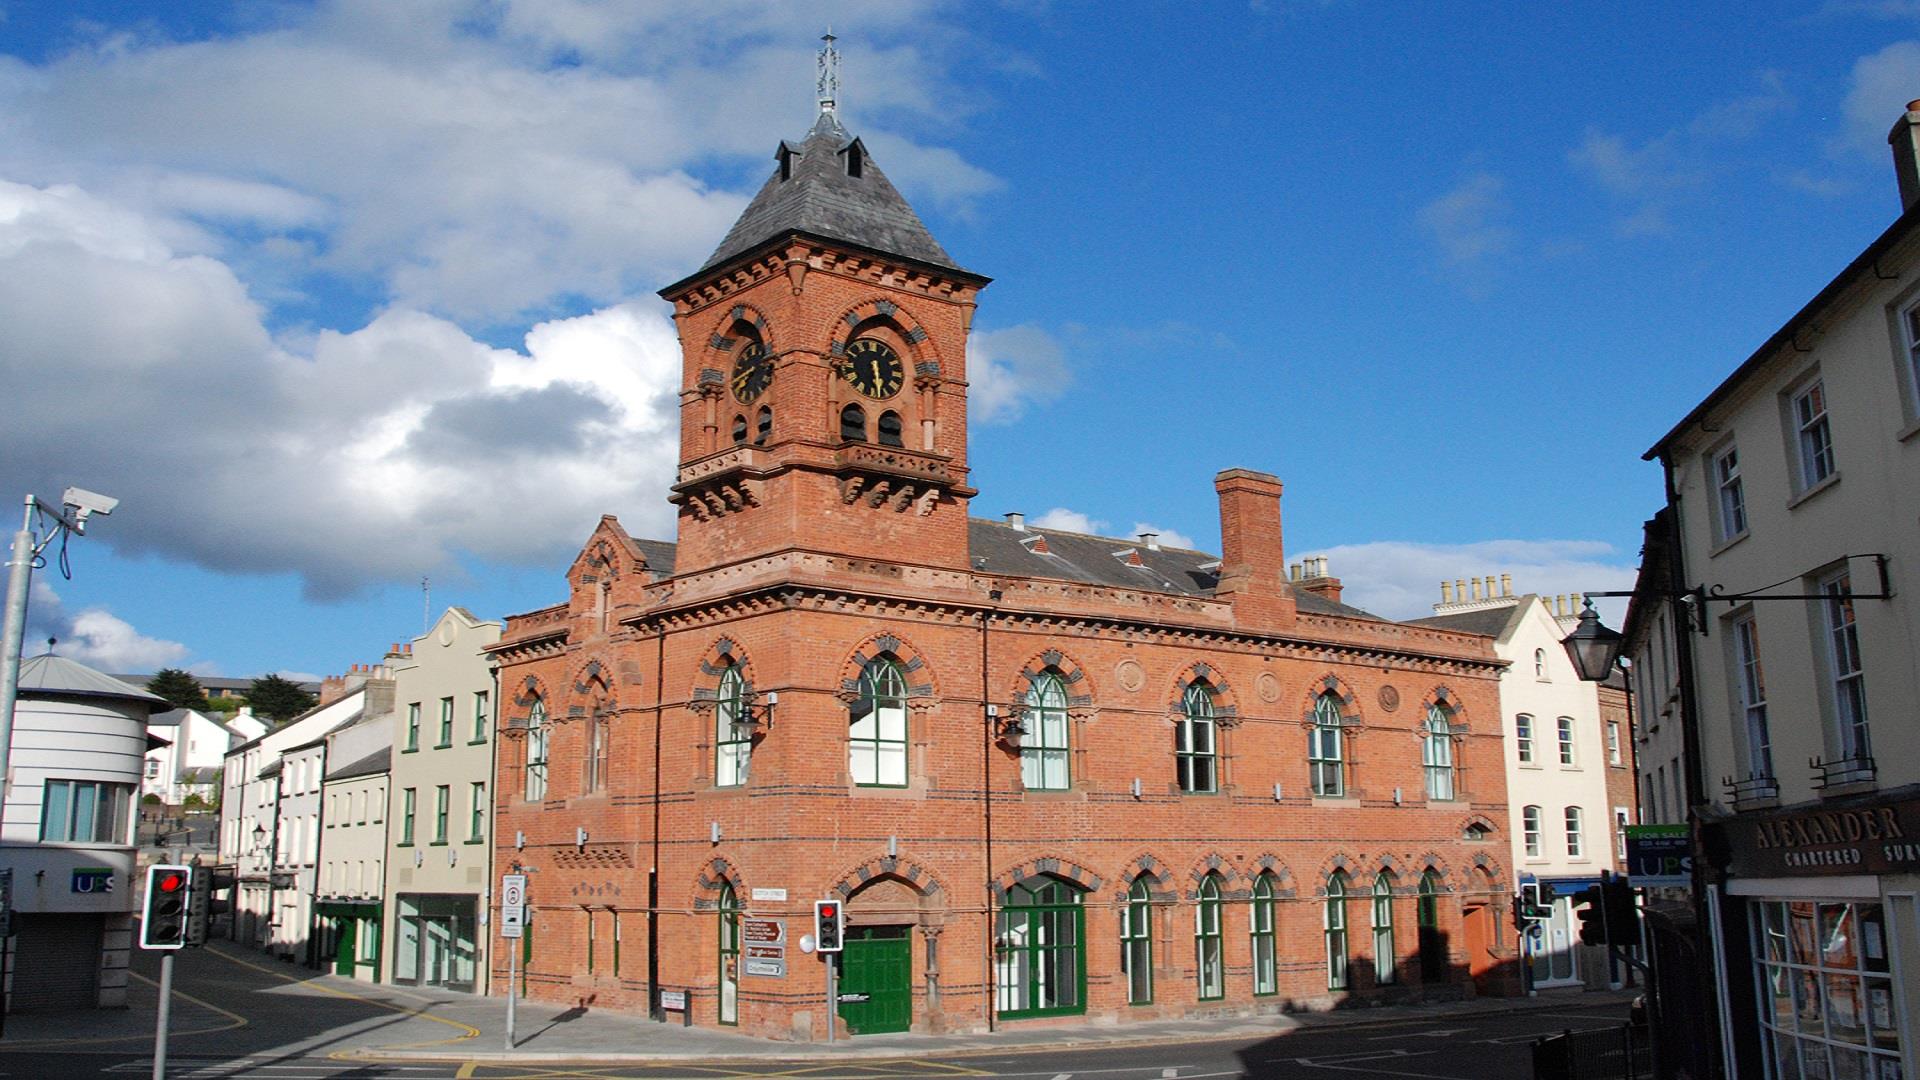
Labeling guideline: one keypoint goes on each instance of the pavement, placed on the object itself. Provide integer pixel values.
(233, 1001)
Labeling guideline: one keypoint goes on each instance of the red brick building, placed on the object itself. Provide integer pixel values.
(1050, 775)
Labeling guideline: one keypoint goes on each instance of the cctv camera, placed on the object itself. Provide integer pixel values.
(83, 504)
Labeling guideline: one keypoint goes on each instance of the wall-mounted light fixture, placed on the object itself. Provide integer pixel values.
(580, 837)
(715, 831)
(1136, 787)
(755, 719)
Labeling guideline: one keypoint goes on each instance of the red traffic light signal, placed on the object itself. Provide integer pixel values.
(163, 921)
(827, 925)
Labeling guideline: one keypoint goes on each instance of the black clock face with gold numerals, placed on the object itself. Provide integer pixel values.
(873, 368)
(752, 371)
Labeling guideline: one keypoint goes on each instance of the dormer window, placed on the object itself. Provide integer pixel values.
(786, 156)
(856, 159)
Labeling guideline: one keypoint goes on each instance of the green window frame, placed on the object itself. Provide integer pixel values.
(476, 825)
(1266, 965)
(729, 956)
(446, 724)
(732, 741)
(442, 795)
(1041, 964)
(1210, 962)
(1426, 914)
(1044, 760)
(482, 715)
(413, 728)
(877, 734)
(534, 785)
(1326, 748)
(588, 912)
(615, 912)
(1437, 754)
(1136, 942)
(1385, 966)
(1335, 926)
(1194, 749)
(407, 797)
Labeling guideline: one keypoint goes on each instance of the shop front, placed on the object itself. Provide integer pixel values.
(1819, 936)
(347, 938)
(434, 941)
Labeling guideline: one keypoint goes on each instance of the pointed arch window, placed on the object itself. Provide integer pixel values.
(1335, 924)
(763, 428)
(1383, 954)
(877, 730)
(739, 430)
(1195, 754)
(1433, 945)
(599, 752)
(1437, 754)
(733, 746)
(1210, 962)
(1136, 942)
(889, 429)
(534, 786)
(1042, 968)
(1326, 748)
(853, 424)
(1266, 973)
(1043, 747)
(729, 910)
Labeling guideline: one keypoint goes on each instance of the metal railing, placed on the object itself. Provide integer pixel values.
(1614, 1053)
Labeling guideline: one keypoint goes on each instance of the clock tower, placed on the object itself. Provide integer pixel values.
(824, 374)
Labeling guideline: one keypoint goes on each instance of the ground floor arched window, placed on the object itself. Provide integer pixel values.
(1042, 964)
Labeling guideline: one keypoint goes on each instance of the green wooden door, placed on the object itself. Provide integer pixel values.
(876, 980)
(343, 949)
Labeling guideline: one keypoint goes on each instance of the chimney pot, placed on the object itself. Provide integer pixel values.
(1446, 592)
(1150, 541)
(1017, 521)
(1506, 584)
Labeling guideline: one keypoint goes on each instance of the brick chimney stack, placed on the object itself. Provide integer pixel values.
(1253, 568)
(1905, 140)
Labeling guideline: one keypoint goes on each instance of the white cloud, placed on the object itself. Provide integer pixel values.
(1172, 538)
(1468, 222)
(95, 636)
(1880, 87)
(1401, 580)
(1069, 521)
(1009, 369)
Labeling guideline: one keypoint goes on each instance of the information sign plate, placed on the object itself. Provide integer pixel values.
(1659, 855)
(765, 931)
(673, 1000)
(772, 969)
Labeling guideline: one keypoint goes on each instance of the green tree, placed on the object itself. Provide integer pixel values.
(178, 687)
(278, 699)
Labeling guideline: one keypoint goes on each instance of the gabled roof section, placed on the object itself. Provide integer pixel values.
(828, 187)
(1491, 621)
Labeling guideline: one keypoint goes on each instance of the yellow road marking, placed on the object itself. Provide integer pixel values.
(467, 1031)
(238, 1022)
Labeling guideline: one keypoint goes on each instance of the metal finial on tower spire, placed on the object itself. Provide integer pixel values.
(829, 66)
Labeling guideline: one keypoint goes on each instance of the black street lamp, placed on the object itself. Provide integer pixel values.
(1594, 647)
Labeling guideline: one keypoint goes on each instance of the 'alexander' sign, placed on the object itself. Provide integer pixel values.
(1874, 839)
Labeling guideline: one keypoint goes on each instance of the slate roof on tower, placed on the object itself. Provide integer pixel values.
(828, 188)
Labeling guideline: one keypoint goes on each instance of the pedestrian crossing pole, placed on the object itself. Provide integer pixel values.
(163, 1017)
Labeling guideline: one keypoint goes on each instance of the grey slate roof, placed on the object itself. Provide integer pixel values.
(372, 765)
(49, 676)
(1489, 621)
(659, 555)
(819, 198)
(170, 718)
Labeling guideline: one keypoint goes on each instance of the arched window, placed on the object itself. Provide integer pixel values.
(1530, 831)
(739, 429)
(877, 733)
(1383, 954)
(853, 424)
(889, 429)
(599, 752)
(732, 744)
(1437, 755)
(1136, 942)
(1042, 969)
(1336, 929)
(763, 430)
(1043, 748)
(1266, 975)
(729, 910)
(1210, 964)
(1576, 833)
(1193, 745)
(1567, 757)
(1433, 945)
(1539, 663)
(1523, 738)
(1325, 748)
(535, 786)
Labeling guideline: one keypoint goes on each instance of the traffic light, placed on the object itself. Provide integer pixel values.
(826, 926)
(1610, 915)
(207, 897)
(163, 923)
(1593, 925)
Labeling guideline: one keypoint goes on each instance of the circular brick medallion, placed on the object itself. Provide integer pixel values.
(1130, 675)
(1389, 698)
(1267, 687)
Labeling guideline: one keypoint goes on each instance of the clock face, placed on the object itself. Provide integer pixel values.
(752, 371)
(873, 368)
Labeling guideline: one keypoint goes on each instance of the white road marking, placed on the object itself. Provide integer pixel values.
(1169, 1074)
(1437, 1033)
(1064, 1076)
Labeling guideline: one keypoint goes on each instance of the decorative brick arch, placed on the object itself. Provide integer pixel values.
(1432, 860)
(706, 887)
(1352, 867)
(1284, 886)
(1226, 705)
(1073, 677)
(1065, 869)
(921, 693)
(925, 361)
(722, 340)
(722, 654)
(1487, 864)
(917, 877)
(1483, 821)
(1217, 864)
(1458, 717)
(1349, 703)
(513, 720)
(601, 562)
(591, 691)
(1162, 888)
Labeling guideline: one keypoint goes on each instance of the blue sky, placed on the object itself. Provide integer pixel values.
(338, 296)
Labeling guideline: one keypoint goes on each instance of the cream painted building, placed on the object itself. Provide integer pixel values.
(440, 807)
(1566, 765)
(1798, 479)
(347, 905)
